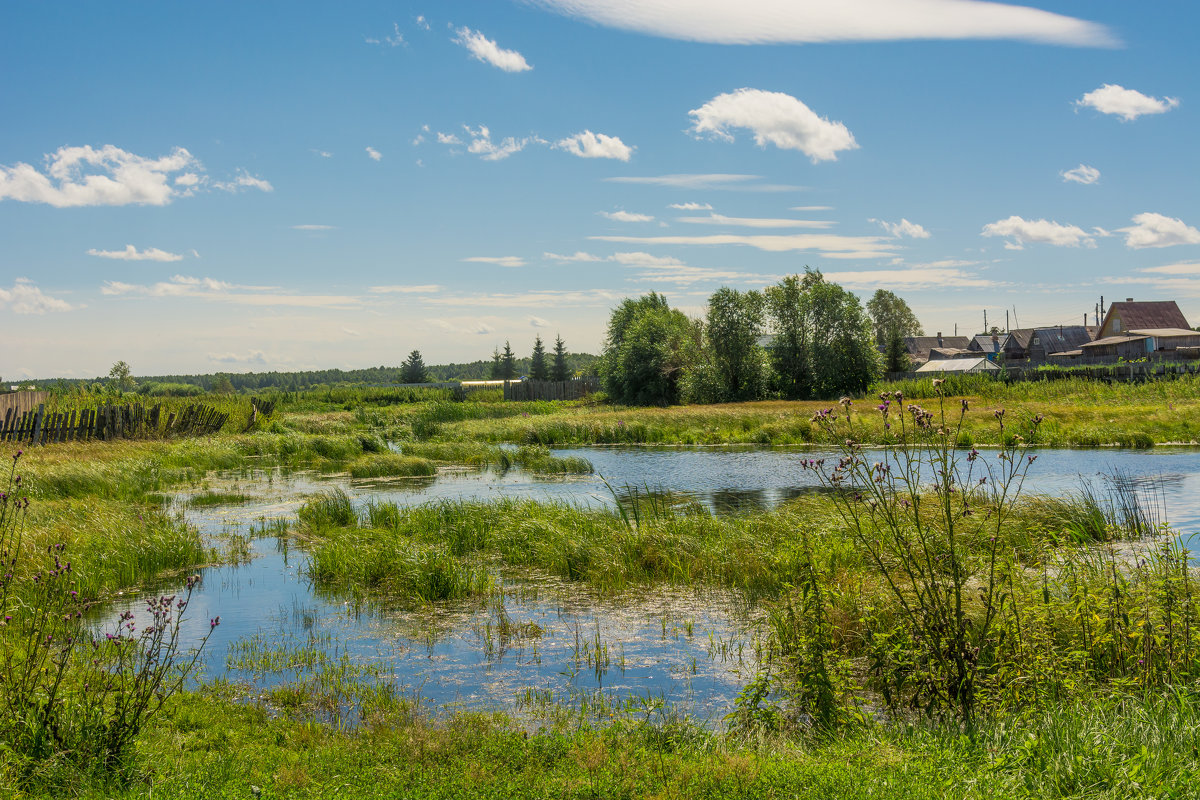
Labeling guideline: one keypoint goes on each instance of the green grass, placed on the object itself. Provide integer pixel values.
(390, 465)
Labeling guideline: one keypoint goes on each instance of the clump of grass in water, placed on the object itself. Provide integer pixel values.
(216, 498)
(391, 465)
(331, 509)
(536, 458)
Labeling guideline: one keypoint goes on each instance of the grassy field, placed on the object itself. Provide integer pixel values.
(1091, 664)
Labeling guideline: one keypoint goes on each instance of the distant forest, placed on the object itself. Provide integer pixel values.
(579, 364)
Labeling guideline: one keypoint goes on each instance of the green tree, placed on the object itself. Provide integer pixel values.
(222, 384)
(787, 307)
(644, 354)
(496, 369)
(560, 371)
(733, 326)
(537, 362)
(889, 313)
(121, 377)
(896, 355)
(508, 363)
(413, 369)
(843, 356)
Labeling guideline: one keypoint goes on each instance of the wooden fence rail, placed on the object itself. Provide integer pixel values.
(133, 421)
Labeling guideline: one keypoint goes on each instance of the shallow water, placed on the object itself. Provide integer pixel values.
(692, 650)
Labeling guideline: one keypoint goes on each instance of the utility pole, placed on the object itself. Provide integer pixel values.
(985, 327)
(1006, 320)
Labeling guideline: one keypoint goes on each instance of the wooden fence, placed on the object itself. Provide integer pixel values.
(21, 402)
(107, 422)
(550, 390)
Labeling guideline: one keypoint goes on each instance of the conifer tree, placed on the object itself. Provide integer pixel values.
(497, 371)
(413, 370)
(508, 363)
(537, 363)
(560, 371)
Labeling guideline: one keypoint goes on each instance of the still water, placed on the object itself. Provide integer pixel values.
(691, 650)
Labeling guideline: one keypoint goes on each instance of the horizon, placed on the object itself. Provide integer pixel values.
(233, 188)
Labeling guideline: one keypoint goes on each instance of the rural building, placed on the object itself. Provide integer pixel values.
(959, 365)
(1123, 318)
(989, 345)
(919, 347)
(1140, 343)
(1047, 343)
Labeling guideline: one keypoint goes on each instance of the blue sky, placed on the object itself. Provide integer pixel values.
(255, 186)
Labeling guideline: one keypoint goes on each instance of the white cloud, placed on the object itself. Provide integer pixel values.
(775, 118)
(811, 208)
(503, 261)
(448, 138)
(580, 257)
(217, 290)
(625, 216)
(107, 176)
(691, 206)
(244, 180)
(543, 298)
(795, 21)
(483, 146)
(595, 145)
(640, 259)
(1021, 231)
(903, 228)
(755, 222)
(1181, 268)
(251, 357)
(314, 227)
(725, 181)
(1128, 104)
(487, 51)
(323, 153)
(131, 253)
(26, 298)
(422, 23)
(538, 322)
(351, 332)
(828, 245)
(374, 154)
(1157, 230)
(1081, 174)
(428, 288)
(472, 326)
(917, 277)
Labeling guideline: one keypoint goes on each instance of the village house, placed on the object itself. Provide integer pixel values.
(1133, 330)
(921, 348)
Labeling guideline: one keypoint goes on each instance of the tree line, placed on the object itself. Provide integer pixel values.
(802, 338)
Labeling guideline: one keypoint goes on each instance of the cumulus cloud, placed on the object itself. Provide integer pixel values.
(775, 118)
(374, 154)
(903, 228)
(595, 145)
(448, 138)
(131, 253)
(483, 146)
(24, 297)
(485, 50)
(625, 216)
(1128, 104)
(1021, 231)
(1081, 174)
(503, 261)
(1157, 230)
(796, 21)
(244, 180)
(755, 222)
(105, 176)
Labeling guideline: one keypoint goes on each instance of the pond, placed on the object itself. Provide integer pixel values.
(539, 642)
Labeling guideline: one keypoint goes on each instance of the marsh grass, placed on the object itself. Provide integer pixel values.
(391, 465)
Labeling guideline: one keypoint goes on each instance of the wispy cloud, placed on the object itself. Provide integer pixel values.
(485, 50)
(483, 146)
(538, 322)
(394, 39)
(543, 298)
(724, 181)
(503, 261)
(131, 253)
(755, 222)
(472, 326)
(1020, 231)
(903, 228)
(1180, 268)
(374, 154)
(625, 216)
(24, 297)
(322, 153)
(774, 118)
(579, 257)
(244, 180)
(250, 357)
(314, 227)
(782, 21)
(691, 206)
(425, 288)
(1156, 230)
(1081, 174)
(917, 277)
(1128, 104)
(595, 145)
(212, 289)
(829, 245)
